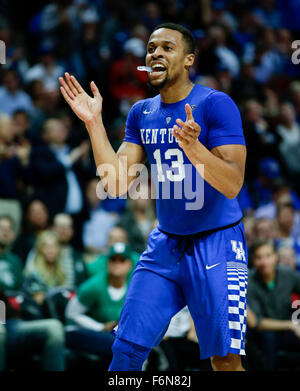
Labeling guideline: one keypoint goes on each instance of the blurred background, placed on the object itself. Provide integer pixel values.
(66, 257)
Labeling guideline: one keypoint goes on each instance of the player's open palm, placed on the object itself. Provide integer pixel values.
(86, 108)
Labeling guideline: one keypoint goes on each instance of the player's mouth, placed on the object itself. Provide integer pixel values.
(157, 70)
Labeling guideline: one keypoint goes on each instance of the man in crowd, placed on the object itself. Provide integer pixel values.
(270, 289)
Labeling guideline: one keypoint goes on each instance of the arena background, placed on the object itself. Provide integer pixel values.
(56, 235)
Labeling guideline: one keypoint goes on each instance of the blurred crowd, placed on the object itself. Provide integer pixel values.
(66, 256)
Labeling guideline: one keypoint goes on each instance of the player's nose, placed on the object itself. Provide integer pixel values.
(158, 52)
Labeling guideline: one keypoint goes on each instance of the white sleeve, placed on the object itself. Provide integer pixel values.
(75, 311)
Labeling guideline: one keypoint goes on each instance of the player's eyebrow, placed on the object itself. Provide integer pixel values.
(163, 42)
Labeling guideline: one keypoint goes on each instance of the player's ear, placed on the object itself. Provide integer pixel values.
(189, 60)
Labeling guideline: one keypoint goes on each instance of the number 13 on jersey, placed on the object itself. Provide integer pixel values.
(176, 164)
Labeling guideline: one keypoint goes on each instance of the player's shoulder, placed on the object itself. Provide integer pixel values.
(212, 95)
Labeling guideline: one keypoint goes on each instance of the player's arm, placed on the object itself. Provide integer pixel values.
(114, 166)
(224, 165)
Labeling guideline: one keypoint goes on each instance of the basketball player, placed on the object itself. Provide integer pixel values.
(196, 256)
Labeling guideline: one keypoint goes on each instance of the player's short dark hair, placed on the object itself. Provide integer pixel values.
(187, 35)
(261, 243)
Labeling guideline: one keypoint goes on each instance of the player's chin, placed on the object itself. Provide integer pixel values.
(157, 83)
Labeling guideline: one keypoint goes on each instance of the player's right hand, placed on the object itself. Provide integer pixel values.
(86, 108)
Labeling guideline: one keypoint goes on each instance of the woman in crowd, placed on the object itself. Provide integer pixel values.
(47, 263)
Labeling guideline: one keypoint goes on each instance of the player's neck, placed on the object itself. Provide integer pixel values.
(176, 92)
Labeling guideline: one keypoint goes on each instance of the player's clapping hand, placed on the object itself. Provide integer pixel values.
(86, 108)
(187, 132)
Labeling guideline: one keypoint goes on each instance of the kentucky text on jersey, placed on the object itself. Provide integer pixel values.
(149, 124)
(154, 136)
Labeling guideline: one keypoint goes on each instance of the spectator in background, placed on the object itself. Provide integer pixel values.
(39, 97)
(117, 235)
(151, 16)
(139, 219)
(266, 61)
(47, 70)
(245, 87)
(244, 36)
(269, 176)
(226, 57)
(47, 264)
(250, 234)
(271, 106)
(55, 21)
(265, 229)
(26, 338)
(10, 265)
(12, 97)
(141, 32)
(286, 221)
(54, 170)
(98, 303)
(260, 140)
(99, 222)
(224, 78)
(35, 221)
(294, 92)
(14, 161)
(289, 144)
(288, 70)
(15, 49)
(267, 14)
(73, 262)
(287, 256)
(270, 288)
(281, 192)
(24, 134)
(89, 45)
(127, 84)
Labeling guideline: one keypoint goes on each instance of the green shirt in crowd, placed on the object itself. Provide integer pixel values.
(10, 271)
(94, 294)
(100, 264)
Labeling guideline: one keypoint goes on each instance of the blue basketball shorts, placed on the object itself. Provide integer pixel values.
(208, 273)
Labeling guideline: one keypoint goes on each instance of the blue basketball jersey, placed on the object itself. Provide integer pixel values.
(186, 203)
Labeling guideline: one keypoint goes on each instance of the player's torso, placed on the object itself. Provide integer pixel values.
(156, 124)
(186, 203)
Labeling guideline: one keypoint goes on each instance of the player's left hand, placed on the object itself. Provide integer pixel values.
(187, 132)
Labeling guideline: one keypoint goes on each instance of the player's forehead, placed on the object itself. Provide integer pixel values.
(165, 35)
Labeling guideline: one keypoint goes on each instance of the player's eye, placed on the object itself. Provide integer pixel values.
(168, 48)
(151, 49)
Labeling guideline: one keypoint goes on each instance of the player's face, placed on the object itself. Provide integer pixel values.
(166, 55)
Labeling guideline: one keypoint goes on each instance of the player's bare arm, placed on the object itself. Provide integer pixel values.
(224, 166)
(89, 110)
